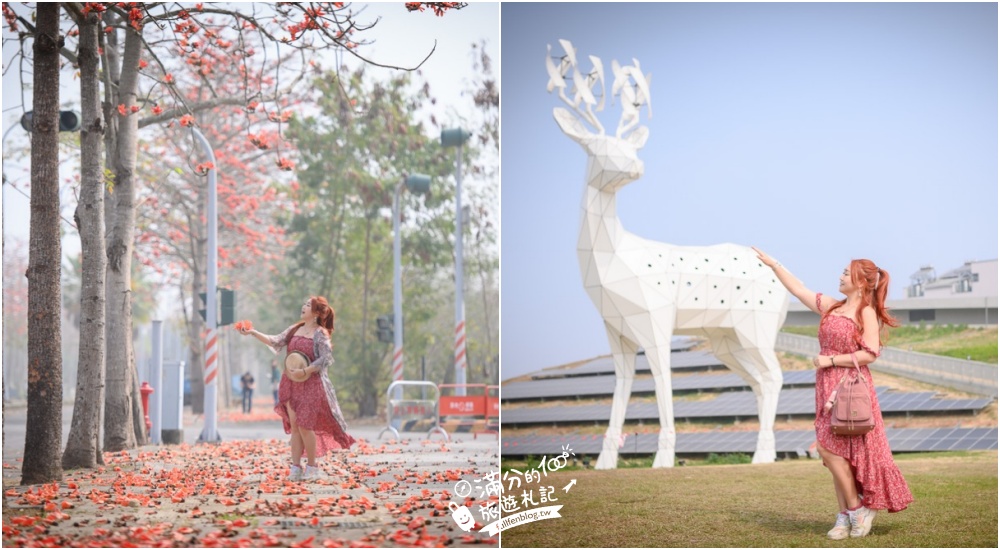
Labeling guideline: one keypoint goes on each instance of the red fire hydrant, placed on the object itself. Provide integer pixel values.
(146, 390)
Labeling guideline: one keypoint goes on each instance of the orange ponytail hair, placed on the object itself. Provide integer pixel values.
(324, 313)
(873, 284)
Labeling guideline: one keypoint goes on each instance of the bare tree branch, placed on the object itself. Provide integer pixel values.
(192, 108)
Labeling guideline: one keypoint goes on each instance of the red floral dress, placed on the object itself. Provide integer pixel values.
(314, 401)
(875, 473)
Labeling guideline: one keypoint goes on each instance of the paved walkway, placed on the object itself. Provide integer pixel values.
(233, 494)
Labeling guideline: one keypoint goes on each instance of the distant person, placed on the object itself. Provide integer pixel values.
(308, 408)
(275, 380)
(247, 382)
(865, 478)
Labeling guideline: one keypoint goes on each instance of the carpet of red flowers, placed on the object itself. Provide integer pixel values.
(234, 494)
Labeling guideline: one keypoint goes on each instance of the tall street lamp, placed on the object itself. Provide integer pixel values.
(455, 137)
(211, 371)
(416, 183)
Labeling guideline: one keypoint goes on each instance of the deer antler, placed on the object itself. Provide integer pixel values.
(582, 83)
(633, 94)
(629, 83)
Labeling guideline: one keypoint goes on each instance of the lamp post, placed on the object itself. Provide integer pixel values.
(211, 371)
(155, 412)
(416, 183)
(3, 227)
(455, 137)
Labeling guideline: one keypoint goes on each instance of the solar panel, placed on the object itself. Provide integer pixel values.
(983, 438)
(786, 441)
(796, 402)
(697, 360)
(604, 385)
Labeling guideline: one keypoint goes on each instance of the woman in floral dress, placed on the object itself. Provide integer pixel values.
(309, 409)
(865, 478)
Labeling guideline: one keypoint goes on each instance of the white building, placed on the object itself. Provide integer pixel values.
(963, 296)
(974, 279)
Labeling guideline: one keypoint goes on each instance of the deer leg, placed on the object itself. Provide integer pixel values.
(760, 369)
(623, 352)
(659, 364)
(767, 389)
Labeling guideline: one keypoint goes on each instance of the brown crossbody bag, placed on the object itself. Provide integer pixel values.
(851, 413)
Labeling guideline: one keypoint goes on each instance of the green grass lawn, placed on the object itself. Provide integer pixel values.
(785, 504)
(978, 344)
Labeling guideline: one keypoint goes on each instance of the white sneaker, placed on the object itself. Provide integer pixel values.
(861, 522)
(295, 474)
(311, 473)
(841, 529)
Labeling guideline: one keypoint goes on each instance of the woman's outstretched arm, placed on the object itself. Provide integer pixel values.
(794, 286)
(274, 342)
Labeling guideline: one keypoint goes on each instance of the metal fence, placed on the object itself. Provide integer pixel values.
(968, 376)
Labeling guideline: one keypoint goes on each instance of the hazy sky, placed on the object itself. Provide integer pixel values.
(400, 38)
(817, 132)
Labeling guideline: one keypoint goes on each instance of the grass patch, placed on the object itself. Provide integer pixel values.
(936, 454)
(734, 458)
(909, 334)
(636, 462)
(960, 341)
(625, 463)
(985, 353)
(535, 462)
(802, 331)
(785, 504)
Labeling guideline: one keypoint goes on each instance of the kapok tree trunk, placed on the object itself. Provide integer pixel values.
(119, 428)
(44, 427)
(83, 448)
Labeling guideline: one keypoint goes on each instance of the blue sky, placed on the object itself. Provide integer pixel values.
(817, 132)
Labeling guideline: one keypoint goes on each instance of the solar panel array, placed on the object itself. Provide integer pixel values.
(786, 441)
(595, 380)
(603, 385)
(791, 402)
(679, 360)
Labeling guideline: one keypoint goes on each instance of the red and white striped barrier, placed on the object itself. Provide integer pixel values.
(211, 354)
(460, 345)
(397, 365)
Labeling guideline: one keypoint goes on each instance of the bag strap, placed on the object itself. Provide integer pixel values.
(854, 359)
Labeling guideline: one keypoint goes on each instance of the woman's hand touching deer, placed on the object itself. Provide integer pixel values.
(794, 286)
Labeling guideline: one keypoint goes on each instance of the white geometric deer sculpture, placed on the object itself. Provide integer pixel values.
(647, 291)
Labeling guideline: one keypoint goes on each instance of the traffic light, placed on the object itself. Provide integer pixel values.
(228, 312)
(204, 300)
(384, 330)
(227, 306)
(69, 121)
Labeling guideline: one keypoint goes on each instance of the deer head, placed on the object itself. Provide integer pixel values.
(614, 159)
